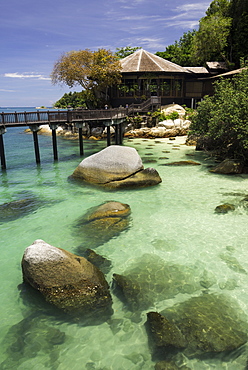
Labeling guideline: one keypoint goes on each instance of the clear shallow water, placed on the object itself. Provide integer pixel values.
(174, 221)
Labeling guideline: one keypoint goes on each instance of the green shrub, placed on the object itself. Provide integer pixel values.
(221, 119)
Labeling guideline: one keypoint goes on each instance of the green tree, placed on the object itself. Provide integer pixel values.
(124, 52)
(221, 120)
(72, 99)
(211, 40)
(180, 51)
(239, 30)
(220, 7)
(94, 71)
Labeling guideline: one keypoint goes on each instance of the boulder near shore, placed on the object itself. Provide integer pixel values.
(116, 167)
(67, 281)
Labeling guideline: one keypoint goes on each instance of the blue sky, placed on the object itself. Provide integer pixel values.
(34, 34)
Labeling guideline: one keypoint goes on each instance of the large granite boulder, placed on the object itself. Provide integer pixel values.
(204, 324)
(67, 281)
(116, 167)
(101, 223)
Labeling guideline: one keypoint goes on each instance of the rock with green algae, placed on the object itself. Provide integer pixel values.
(150, 279)
(67, 281)
(228, 167)
(102, 223)
(182, 163)
(99, 261)
(210, 323)
(169, 365)
(18, 208)
(164, 332)
(224, 208)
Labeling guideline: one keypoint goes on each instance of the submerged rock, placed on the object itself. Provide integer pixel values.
(151, 279)
(17, 208)
(102, 223)
(99, 261)
(209, 324)
(228, 167)
(225, 208)
(116, 167)
(168, 365)
(69, 282)
(182, 163)
(164, 332)
(232, 263)
(31, 337)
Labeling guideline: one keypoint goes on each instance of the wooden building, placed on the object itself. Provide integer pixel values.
(145, 75)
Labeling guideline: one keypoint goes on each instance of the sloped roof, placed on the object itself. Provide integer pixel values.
(143, 61)
(197, 70)
(230, 73)
(216, 65)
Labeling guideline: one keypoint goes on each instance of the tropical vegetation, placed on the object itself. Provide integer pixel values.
(94, 71)
(221, 36)
(220, 123)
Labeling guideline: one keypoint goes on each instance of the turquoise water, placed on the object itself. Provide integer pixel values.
(173, 222)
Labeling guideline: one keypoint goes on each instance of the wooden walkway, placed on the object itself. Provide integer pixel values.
(77, 118)
(60, 117)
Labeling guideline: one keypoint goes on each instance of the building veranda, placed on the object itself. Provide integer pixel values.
(145, 75)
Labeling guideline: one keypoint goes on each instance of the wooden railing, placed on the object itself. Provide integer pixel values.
(69, 116)
(146, 105)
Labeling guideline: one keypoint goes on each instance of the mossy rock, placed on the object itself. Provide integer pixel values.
(228, 167)
(164, 332)
(33, 336)
(209, 323)
(150, 279)
(183, 163)
(17, 208)
(224, 208)
(99, 261)
(102, 223)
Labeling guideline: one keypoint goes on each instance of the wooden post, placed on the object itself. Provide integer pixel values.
(120, 133)
(108, 136)
(116, 134)
(34, 129)
(80, 137)
(55, 150)
(2, 154)
(53, 127)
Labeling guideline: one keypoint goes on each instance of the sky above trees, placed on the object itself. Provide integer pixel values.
(34, 34)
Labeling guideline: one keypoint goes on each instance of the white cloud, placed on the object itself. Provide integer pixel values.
(26, 75)
(191, 10)
(6, 90)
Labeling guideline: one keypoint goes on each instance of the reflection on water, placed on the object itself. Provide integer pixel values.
(174, 249)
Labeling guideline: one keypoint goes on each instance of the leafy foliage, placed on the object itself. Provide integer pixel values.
(124, 52)
(239, 31)
(221, 120)
(74, 100)
(211, 40)
(180, 51)
(93, 71)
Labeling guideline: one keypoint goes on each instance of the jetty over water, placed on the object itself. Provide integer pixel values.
(75, 118)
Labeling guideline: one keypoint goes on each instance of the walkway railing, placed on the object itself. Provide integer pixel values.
(59, 117)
